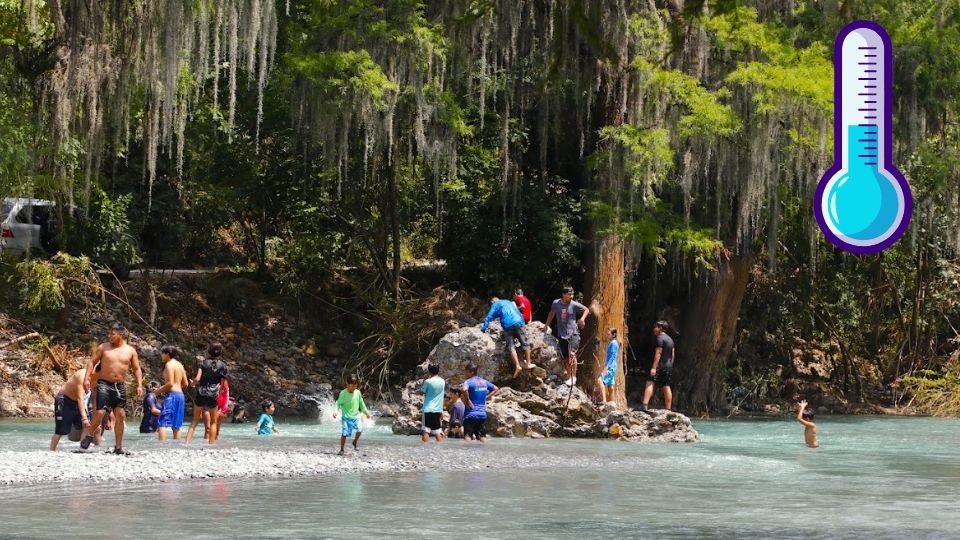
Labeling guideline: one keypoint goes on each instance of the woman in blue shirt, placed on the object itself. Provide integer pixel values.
(609, 372)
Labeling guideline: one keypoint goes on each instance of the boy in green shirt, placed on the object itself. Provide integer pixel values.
(350, 403)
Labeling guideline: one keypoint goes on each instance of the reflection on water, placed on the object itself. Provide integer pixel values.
(873, 477)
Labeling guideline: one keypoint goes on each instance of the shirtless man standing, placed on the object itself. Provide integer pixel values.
(70, 408)
(116, 357)
(174, 379)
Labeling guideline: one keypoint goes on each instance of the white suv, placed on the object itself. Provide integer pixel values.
(27, 227)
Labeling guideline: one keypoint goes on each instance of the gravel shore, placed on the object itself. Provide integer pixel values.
(40, 467)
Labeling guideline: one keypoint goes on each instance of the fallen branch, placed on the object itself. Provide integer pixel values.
(24, 337)
(131, 310)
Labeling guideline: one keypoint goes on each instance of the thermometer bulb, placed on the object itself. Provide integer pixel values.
(863, 203)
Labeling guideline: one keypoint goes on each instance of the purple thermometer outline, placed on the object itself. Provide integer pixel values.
(887, 142)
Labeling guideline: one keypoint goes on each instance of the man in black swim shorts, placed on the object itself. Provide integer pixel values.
(661, 372)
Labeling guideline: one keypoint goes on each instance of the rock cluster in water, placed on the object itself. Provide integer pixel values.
(534, 404)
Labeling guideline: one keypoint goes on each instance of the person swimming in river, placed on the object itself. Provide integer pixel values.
(350, 404)
(265, 425)
(805, 417)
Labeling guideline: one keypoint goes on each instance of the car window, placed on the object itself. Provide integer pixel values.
(5, 208)
(25, 214)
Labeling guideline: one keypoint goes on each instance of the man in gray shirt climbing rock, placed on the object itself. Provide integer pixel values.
(571, 317)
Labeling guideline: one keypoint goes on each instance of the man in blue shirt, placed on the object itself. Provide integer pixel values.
(476, 391)
(433, 389)
(512, 321)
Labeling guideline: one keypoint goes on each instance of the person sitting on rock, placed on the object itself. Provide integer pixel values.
(457, 410)
(609, 372)
(512, 321)
(476, 390)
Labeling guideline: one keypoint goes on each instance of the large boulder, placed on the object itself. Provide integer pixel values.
(467, 345)
(533, 404)
(550, 411)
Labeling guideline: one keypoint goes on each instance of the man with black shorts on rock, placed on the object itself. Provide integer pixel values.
(662, 369)
(571, 317)
(512, 321)
(476, 391)
(116, 357)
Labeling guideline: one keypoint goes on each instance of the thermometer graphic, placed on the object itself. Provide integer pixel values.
(863, 203)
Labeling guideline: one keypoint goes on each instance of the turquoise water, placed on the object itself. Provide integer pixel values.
(863, 204)
(872, 478)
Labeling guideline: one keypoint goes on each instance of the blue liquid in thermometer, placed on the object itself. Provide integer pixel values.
(863, 202)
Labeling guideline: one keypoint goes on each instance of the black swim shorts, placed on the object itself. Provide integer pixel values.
(432, 422)
(111, 395)
(663, 376)
(206, 401)
(66, 414)
(473, 427)
(569, 345)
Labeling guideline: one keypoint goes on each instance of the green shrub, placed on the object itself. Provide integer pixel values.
(104, 234)
(48, 285)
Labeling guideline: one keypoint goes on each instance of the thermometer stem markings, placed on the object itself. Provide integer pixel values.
(863, 203)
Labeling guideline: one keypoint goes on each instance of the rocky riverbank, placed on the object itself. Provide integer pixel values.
(272, 352)
(534, 404)
(44, 467)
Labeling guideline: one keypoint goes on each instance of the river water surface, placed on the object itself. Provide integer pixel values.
(871, 478)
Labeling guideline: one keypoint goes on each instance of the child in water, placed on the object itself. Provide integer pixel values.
(265, 424)
(350, 404)
(457, 410)
(805, 417)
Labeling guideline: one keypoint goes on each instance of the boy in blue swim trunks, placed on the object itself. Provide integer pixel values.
(350, 403)
(609, 373)
(174, 379)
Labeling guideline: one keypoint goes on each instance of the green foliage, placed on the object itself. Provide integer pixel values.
(935, 392)
(785, 80)
(345, 73)
(49, 285)
(104, 233)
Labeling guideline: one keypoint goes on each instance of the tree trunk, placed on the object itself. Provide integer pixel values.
(605, 289)
(394, 227)
(707, 334)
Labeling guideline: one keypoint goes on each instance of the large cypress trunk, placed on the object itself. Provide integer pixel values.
(707, 334)
(606, 293)
(605, 289)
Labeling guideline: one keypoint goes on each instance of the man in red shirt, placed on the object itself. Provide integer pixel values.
(524, 304)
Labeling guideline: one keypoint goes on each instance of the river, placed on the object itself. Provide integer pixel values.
(871, 478)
